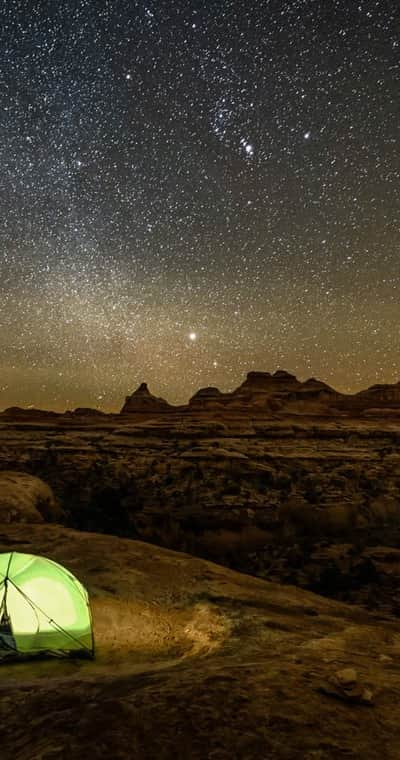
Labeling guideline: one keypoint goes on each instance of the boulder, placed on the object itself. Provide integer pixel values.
(26, 499)
(345, 685)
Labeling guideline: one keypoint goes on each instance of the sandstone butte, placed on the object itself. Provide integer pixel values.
(279, 393)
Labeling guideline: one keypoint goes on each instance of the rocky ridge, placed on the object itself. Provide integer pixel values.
(260, 392)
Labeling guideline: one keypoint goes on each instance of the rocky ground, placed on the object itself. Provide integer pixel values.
(196, 661)
(313, 501)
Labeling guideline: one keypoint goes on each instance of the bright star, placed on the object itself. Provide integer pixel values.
(247, 147)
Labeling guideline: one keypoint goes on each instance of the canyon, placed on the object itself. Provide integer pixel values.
(283, 479)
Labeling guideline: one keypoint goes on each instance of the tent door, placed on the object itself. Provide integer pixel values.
(7, 641)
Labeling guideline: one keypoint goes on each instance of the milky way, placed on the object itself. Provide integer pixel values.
(191, 190)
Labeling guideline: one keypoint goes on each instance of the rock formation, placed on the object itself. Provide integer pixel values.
(196, 661)
(17, 412)
(26, 498)
(143, 402)
(380, 392)
(263, 392)
(265, 382)
(208, 398)
(86, 411)
(380, 397)
(287, 480)
(260, 393)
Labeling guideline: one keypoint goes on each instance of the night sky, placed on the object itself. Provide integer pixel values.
(192, 190)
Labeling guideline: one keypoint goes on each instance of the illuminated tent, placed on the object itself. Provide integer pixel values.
(44, 609)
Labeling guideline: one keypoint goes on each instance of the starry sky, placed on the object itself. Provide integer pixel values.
(191, 190)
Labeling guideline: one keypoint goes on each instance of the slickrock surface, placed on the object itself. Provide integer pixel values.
(196, 661)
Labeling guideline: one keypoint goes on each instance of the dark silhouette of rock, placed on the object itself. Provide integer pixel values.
(17, 412)
(313, 385)
(205, 398)
(381, 393)
(378, 397)
(261, 380)
(142, 401)
(284, 376)
(83, 411)
(264, 382)
(260, 392)
(282, 392)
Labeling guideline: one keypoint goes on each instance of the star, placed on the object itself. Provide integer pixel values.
(148, 186)
(247, 147)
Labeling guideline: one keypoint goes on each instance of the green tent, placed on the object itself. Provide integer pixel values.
(44, 609)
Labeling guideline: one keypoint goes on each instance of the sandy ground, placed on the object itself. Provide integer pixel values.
(196, 661)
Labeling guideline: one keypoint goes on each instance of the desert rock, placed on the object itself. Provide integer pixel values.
(142, 401)
(228, 663)
(26, 498)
